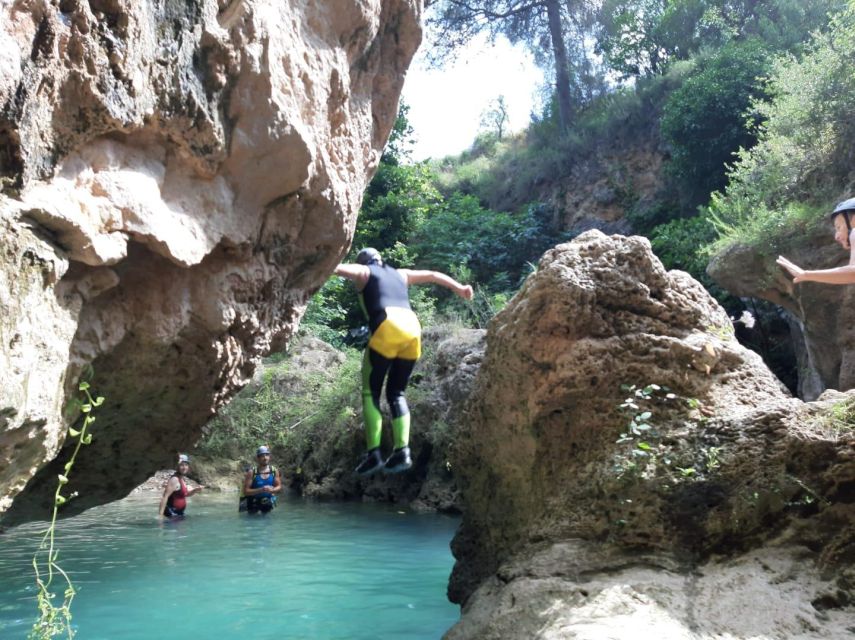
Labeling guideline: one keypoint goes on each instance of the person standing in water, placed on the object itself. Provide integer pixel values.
(261, 484)
(393, 349)
(844, 235)
(175, 493)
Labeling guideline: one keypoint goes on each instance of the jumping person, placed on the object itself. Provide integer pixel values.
(393, 348)
(261, 484)
(175, 493)
(844, 234)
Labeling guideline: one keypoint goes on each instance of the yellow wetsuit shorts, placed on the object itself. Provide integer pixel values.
(398, 336)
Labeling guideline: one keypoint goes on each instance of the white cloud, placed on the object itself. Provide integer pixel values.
(446, 104)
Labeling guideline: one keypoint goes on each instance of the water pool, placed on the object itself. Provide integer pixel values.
(308, 570)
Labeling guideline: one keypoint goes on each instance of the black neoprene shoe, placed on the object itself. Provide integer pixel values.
(372, 462)
(399, 461)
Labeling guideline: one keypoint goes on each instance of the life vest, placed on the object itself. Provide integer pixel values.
(177, 500)
(258, 481)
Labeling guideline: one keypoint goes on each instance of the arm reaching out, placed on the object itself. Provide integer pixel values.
(840, 275)
(358, 273)
(436, 277)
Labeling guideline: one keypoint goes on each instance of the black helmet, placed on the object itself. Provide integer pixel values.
(369, 256)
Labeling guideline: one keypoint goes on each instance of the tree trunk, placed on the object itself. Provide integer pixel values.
(562, 67)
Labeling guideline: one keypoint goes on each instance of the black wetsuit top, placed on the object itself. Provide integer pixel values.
(386, 288)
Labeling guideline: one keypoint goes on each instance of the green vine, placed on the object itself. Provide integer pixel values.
(56, 620)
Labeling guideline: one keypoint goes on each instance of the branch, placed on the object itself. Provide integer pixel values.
(494, 15)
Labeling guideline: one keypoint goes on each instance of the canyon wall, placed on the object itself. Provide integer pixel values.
(177, 179)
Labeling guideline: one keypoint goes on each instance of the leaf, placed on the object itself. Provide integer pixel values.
(73, 432)
(62, 479)
(87, 439)
(68, 466)
(60, 500)
(644, 446)
(83, 386)
(639, 453)
(97, 402)
(86, 407)
(644, 416)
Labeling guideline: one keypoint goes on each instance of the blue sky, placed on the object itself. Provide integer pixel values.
(446, 105)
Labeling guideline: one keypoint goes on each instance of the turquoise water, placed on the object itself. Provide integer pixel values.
(308, 570)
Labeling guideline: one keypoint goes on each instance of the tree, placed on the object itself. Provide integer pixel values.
(707, 120)
(640, 37)
(541, 25)
(495, 117)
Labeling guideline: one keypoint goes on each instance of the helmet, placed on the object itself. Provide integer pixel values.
(369, 256)
(847, 206)
(183, 457)
(262, 450)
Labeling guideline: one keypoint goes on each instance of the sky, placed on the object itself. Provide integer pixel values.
(446, 104)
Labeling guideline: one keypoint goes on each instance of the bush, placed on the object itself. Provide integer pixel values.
(708, 119)
(804, 156)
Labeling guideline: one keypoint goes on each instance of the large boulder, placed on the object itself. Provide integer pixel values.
(624, 460)
(177, 178)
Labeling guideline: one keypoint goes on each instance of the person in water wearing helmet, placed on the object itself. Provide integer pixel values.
(844, 234)
(393, 349)
(261, 484)
(175, 493)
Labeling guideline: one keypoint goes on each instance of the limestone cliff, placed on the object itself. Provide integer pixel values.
(629, 470)
(177, 178)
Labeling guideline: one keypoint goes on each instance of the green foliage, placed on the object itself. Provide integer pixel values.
(836, 422)
(396, 201)
(55, 620)
(679, 244)
(640, 436)
(325, 315)
(804, 153)
(294, 412)
(639, 37)
(706, 121)
(494, 246)
(647, 453)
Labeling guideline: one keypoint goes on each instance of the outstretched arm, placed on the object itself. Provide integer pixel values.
(358, 273)
(840, 275)
(195, 490)
(436, 277)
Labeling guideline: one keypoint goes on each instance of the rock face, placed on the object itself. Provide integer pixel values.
(628, 467)
(598, 193)
(823, 332)
(177, 178)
